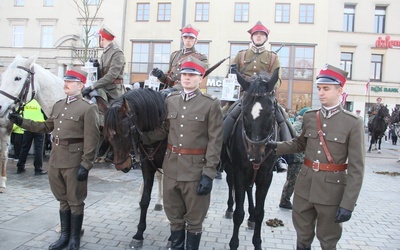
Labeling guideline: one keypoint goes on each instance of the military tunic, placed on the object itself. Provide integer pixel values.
(177, 57)
(75, 120)
(112, 63)
(193, 123)
(324, 191)
(255, 60)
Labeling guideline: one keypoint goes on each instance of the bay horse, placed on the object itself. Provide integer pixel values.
(23, 81)
(136, 111)
(378, 126)
(246, 159)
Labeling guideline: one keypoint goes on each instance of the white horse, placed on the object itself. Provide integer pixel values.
(23, 81)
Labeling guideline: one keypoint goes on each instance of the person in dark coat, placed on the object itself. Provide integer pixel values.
(330, 180)
(194, 131)
(74, 124)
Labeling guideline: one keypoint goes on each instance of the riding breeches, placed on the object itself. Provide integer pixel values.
(184, 208)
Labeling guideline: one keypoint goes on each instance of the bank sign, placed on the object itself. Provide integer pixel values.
(379, 89)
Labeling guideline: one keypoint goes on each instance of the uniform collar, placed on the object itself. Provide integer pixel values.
(188, 96)
(329, 112)
(108, 46)
(187, 51)
(73, 98)
(257, 49)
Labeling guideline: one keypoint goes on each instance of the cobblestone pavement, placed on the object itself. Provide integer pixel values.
(29, 212)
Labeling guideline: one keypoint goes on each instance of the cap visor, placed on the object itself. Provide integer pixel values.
(189, 34)
(72, 79)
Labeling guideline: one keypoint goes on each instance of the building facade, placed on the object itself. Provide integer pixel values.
(361, 36)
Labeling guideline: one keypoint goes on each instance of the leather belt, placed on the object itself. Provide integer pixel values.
(66, 142)
(186, 151)
(317, 166)
(118, 81)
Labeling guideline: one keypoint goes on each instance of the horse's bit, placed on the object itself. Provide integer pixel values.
(22, 96)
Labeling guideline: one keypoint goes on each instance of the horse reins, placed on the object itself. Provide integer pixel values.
(22, 96)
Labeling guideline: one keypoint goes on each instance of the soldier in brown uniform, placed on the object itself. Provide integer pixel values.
(331, 177)
(194, 130)
(189, 38)
(110, 84)
(74, 126)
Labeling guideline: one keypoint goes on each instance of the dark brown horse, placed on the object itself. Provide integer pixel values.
(134, 112)
(378, 126)
(245, 156)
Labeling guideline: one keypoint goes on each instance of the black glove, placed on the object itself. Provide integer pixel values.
(233, 69)
(205, 185)
(15, 118)
(82, 173)
(86, 91)
(271, 145)
(342, 215)
(157, 72)
(96, 63)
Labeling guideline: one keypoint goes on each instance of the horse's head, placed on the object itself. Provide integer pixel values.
(17, 81)
(135, 111)
(394, 117)
(383, 113)
(258, 113)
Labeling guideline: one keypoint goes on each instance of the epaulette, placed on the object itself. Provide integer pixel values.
(88, 101)
(60, 100)
(350, 113)
(173, 93)
(209, 96)
(274, 52)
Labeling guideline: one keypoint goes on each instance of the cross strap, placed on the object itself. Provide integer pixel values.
(321, 137)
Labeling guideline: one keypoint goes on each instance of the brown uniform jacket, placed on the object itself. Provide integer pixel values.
(192, 124)
(251, 63)
(175, 62)
(344, 137)
(78, 119)
(112, 63)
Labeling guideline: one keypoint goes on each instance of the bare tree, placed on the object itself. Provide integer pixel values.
(88, 10)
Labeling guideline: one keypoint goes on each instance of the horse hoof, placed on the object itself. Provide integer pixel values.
(228, 215)
(168, 246)
(251, 225)
(379, 152)
(158, 207)
(369, 151)
(2, 189)
(136, 244)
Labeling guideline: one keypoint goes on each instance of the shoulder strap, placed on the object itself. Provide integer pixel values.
(321, 137)
(273, 59)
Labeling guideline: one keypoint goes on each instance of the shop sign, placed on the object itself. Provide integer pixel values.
(384, 89)
(386, 43)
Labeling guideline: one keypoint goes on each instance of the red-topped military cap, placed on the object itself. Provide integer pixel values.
(106, 33)
(259, 27)
(378, 99)
(75, 75)
(189, 30)
(193, 66)
(332, 75)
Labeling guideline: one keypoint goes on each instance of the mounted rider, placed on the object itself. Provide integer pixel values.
(189, 36)
(374, 109)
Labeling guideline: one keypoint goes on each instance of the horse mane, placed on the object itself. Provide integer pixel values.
(258, 83)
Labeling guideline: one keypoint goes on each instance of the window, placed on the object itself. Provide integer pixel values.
(202, 12)
(203, 48)
(284, 58)
(147, 55)
(92, 36)
(93, 2)
(346, 63)
(19, 2)
(164, 12)
(376, 67)
(236, 47)
(282, 13)
(304, 63)
(18, 36)
(47, 36)
(241, 12)
(48, 3)
(379, 20)
(306, 13)
(348, 18)
(143, 10)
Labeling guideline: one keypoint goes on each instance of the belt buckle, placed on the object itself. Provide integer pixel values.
(175, 150)
(57, 141)
(315, 166)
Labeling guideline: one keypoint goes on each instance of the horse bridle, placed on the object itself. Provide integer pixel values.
(248, 141)
(22, 96)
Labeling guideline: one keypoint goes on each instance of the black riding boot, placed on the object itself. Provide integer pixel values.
(193, 241)
(76, 226)
(178, 240)
(302, 248)
(65, 221)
